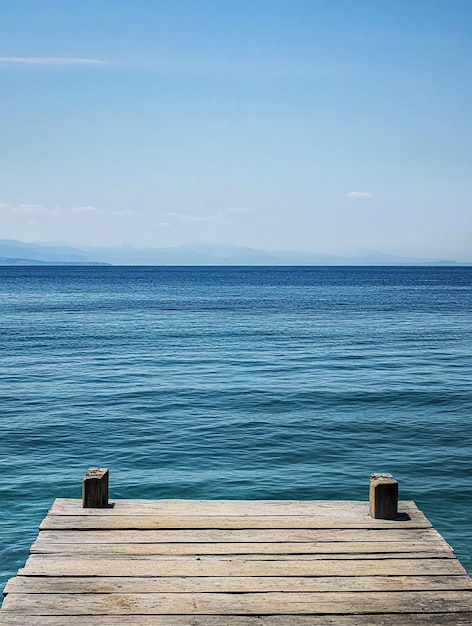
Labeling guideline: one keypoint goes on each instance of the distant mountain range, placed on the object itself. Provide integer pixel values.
(20, 253)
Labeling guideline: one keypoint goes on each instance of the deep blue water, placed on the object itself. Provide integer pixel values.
(235, 383)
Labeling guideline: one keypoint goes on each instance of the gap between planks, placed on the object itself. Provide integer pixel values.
(397, 619)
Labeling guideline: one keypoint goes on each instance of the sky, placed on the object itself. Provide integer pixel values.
(328, 126)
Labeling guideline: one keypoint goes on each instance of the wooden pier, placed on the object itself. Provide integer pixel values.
(238, 563)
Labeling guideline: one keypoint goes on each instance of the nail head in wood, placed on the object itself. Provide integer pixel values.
(383, 498)
(95, 488)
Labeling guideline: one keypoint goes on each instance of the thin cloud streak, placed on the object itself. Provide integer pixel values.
(220, 217)
(29, 209)
(83, 209)
(57, 211)
(50, 61)
(359, 194)
(235, 210)
(188, 217)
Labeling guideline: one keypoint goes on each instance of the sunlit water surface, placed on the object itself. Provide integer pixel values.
(235, 383)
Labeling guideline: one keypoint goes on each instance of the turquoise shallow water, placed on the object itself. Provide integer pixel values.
(235, 383)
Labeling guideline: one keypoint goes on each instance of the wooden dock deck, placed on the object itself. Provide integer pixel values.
(237, 563)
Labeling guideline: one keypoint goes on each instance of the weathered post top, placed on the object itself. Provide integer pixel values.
(383, 497)
(95, 488)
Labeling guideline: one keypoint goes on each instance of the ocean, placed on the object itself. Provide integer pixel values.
(235, 382)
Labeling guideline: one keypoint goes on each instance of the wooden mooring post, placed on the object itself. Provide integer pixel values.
(95, 488)
(383, 496)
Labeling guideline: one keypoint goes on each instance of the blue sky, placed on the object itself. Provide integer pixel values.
(321, 125)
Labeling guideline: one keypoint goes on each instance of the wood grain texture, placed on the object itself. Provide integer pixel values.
(149, 522)
(237, 563)
(285, 603)
(45, 565)
(95, 488)
(265, 535)
(344, 511)
(321, 548)
(383, 496)
(385, 619)
(233, 584)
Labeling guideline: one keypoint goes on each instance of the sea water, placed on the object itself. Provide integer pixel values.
(235, 382)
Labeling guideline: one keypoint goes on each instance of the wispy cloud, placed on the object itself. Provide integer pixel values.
(125, 213)
(190, 217)
(235, 210)
(221, 216)
(201, 66)
(360, 194)
(29, 209)
(83, 209)
(50, 61)
(57, 211)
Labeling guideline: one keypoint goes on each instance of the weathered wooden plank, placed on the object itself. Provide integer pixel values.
(233, 584)
(240, 535)
(239, 604)
(406, 548)
(343, 509)
(405, 619)
(45, 565)
(255, 559)
(283, 558)
(99, 522)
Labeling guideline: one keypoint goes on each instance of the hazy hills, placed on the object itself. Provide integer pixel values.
(20, 253)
